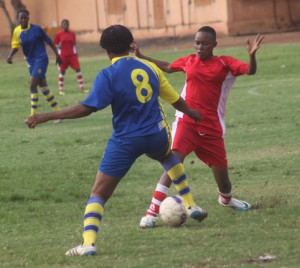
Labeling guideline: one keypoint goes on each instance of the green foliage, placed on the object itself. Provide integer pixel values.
(47, 174)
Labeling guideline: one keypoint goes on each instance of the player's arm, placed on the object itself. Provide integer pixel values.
(76, 111)
(252, 48)
(163, 65)
(11, 54)
(15, 44)
(182, 106)
(54, 48)
(52, 45)
(168, 94)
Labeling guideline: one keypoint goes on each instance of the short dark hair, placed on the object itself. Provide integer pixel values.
(22, 10)
(116, 39)
(209, 30)
(65, 20)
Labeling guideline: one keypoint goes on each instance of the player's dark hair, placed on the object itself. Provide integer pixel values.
(116, 39)
(22, 10)
(65, 20)
(209, 30)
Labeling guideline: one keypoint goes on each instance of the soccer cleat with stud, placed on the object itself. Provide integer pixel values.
(61, 93)
(148, 222)
(84, 91)
(197, 213)
(236, 204)
(82, 250)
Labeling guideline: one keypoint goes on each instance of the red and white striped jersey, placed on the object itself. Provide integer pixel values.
(207, 85)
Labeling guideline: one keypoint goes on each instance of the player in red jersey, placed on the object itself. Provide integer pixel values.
(209, 79)
(65, 40)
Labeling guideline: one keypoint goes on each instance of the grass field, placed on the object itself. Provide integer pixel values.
(47, 174)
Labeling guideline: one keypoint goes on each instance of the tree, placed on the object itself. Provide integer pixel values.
(16, 4)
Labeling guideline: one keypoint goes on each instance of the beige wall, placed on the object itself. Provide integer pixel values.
(155, 18)
(244, 16)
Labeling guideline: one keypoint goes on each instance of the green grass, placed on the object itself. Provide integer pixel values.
(47, 174)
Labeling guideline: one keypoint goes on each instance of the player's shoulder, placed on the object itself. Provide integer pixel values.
(35, 26)
(148, 64)
(227, 58)
(190, 57)
(17, 29)
(187, 58)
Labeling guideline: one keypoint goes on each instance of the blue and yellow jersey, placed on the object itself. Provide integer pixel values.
(132, 87)
(32, 40)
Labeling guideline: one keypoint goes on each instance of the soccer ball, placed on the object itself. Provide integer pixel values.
(172, 211)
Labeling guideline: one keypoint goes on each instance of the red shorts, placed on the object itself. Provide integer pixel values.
(187, 139)
(69, 61)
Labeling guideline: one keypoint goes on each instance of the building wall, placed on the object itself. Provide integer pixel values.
(250, 16)
(156, 18)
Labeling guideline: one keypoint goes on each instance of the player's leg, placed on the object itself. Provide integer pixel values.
(211, 150)
(80, 81)
(74, 63)
(225, 192)
(61, 79)
(34, 95)
(49, 97)
(174, 168)
(172, 173)
(182, 134)
(48, 94)
(102, 190)
(115, 164)
(161, 192)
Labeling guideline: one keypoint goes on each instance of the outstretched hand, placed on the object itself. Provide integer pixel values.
(252, 48)
(34, 120)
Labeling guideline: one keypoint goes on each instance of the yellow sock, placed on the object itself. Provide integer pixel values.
(176, 172)
(178, 177)
(34, 101)
(50, 99)
(92, 218)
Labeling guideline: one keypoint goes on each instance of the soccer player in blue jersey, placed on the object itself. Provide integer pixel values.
(132, 87)
(32, 39)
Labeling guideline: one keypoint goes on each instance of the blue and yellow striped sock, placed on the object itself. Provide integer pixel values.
(92, 218)
(50, 98)
(176, 172)
(34, 100)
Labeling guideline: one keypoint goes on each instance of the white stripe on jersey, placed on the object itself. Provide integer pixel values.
(183, 93)
(226, 87)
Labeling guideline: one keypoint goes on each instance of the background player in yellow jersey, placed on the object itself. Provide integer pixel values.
(32, 39)
(132, 87)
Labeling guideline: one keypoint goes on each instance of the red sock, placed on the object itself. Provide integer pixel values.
(225, 198)
(80, 80)
(61, 82)
(159, 195)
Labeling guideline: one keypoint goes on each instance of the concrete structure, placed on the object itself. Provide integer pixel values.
(156, 18)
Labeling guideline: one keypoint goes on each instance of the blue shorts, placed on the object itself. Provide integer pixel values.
(121, 153)
(38, 68)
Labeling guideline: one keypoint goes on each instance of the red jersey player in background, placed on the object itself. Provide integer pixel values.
(65, 41)
(209, 79)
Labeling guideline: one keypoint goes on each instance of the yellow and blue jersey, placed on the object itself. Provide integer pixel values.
(132, 87)
(32, 40)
